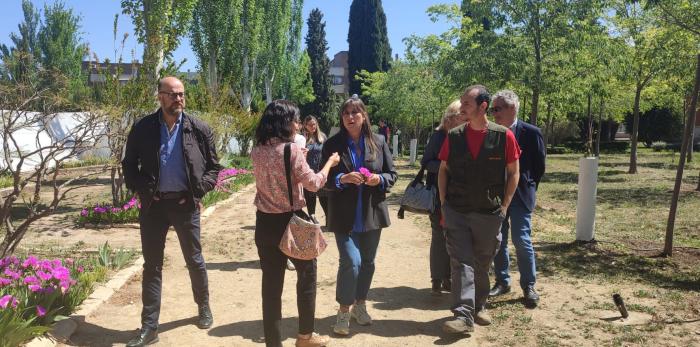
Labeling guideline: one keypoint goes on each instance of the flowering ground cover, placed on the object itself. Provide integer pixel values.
(34, 293)
(228, 181)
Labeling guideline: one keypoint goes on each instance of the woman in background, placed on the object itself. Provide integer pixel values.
(314, 144)
(439, 259)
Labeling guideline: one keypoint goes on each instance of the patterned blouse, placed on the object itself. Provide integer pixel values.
(271, 182)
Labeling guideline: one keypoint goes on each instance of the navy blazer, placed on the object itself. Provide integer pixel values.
(341, 203)
(532, 161)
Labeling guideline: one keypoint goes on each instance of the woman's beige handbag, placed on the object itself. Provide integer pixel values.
(303, 239)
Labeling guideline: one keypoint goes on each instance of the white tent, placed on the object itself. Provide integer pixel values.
(35, 131)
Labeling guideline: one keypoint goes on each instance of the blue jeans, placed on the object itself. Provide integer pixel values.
(521, 227)
(356, 265)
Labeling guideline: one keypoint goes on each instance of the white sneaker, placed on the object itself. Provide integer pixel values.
(342, 323)
(290, 265)
(359, 312)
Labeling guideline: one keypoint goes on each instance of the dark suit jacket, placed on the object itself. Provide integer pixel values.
(532, 161)
(141, 163)
(341, 203)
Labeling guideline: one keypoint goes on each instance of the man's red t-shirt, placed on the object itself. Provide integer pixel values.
(475, 138)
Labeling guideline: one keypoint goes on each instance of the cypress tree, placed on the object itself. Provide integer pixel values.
(316, 47)
(368, 42)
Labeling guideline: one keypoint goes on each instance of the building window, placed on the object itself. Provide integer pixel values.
(337, 80)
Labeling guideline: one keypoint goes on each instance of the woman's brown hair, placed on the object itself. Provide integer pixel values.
(354, 105)
(318, 136)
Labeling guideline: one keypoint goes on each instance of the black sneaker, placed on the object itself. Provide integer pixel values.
(436, 291)
(499, 289)
(531, 297)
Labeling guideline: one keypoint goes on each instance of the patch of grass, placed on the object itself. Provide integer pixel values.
(6, 180)
(87, 161)
(642, 293)
(236, 184)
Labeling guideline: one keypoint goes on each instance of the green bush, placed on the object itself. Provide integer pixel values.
(658, 146)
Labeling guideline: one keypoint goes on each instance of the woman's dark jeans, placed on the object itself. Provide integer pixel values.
(268, 233)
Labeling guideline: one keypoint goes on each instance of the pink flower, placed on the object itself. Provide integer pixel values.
(44, 276)
(365, 172)
(8, 300)
(31, 280)
(61, 273)
(116, 209)
(40, 311)
(126, 207)
(4, 282)
(84, 212)
(31, 261)
(81, 269)
(34, 288)
(100, 209)
(15, 275)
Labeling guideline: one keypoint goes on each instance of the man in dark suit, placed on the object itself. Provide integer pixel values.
(505, 111)
(170, 162)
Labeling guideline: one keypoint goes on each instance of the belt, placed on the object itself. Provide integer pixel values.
(171, 195)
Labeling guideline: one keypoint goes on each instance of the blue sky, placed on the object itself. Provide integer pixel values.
(404, 18)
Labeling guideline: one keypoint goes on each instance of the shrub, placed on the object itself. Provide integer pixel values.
(657, 124)
(658, 146)
(107, 214)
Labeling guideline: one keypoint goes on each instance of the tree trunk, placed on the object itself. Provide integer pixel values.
(212, 73)
(548, 125)
(537, 43)
(635, 131)
(600, 128)
(689, 127)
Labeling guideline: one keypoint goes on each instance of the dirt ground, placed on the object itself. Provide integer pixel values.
(576, 308)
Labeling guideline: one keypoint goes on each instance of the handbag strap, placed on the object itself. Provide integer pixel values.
(288, 171)
(419, 176)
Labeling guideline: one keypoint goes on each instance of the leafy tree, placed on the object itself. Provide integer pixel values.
(317, 46)
(159, 25)
(20, 62)
(368, 43)
(411, 96)
(61, 47)
(652, 52)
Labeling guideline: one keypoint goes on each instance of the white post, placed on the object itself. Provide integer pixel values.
(587, 191)
(395, 146)
(414, 150)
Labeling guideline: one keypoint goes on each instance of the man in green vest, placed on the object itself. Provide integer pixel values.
(478, 176)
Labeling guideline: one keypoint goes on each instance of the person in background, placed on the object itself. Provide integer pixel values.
(314, 143)
(276, 130)
(439, 259)
(505, 112)
(384, 130)
(357, 208)
(477, 179)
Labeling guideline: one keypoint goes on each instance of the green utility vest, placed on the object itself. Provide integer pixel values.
(477, 185)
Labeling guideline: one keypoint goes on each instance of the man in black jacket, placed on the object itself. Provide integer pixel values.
(170, 162)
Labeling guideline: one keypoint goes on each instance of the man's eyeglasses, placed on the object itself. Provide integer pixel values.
(174, 95)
